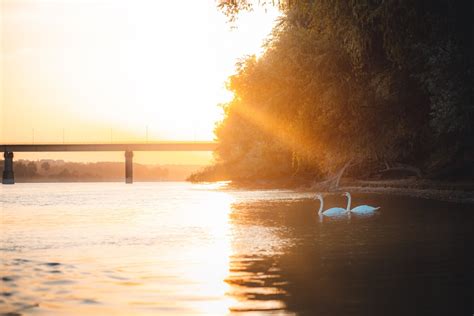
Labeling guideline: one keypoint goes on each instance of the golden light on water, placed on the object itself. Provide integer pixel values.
(203, 264)
(146, 249)
(214, 215)
(148, 254)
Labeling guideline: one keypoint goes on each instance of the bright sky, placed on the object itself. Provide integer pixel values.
(108, 70)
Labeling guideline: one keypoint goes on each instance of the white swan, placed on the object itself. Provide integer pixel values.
(361, 209)
(334, 211)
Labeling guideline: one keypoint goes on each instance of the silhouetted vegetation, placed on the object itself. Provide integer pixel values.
(58, 170)
(385, 85)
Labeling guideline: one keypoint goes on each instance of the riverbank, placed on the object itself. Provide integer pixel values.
(461, 191)
(432, 194)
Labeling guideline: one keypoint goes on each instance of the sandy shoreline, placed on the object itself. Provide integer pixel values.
(432, 194)
(459, 192)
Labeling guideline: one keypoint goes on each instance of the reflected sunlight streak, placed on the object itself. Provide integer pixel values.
(212, 213)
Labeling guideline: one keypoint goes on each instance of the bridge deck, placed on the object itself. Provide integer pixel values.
(168, 146)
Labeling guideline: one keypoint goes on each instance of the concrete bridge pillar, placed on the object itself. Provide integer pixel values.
(8, 177)
(129, 166)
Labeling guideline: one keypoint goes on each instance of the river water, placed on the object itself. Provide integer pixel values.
(184, 249)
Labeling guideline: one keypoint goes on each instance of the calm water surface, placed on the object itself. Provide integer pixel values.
(182, 249)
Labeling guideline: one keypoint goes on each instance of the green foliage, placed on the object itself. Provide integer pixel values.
(344, 80)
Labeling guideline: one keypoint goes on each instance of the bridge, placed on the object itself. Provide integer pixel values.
(127, 148)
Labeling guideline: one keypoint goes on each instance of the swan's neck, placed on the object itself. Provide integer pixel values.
(321, 206)
(348, 202)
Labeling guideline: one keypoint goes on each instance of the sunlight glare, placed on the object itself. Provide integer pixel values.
(208, 262)
(121, 65)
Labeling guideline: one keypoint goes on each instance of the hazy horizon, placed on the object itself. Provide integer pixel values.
(119, 71)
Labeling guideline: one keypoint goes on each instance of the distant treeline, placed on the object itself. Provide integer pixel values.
(58, 170)
(368, 85)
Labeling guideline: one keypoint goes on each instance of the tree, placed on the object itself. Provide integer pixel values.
(343, 81)
(45, 166)
(31, 169)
